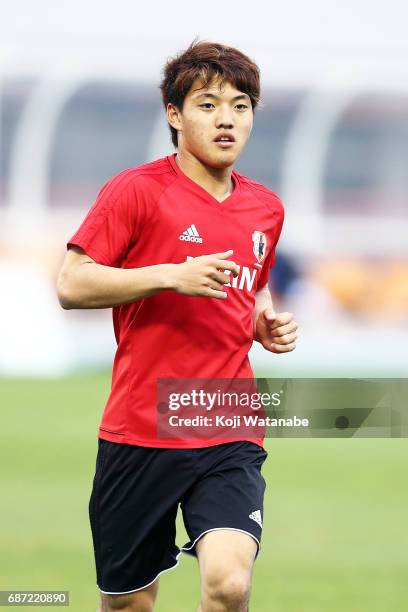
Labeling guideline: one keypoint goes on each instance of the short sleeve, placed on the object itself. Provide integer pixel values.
(112, 224)
(273, 236)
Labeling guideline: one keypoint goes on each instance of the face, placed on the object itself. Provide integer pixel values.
(207, 115)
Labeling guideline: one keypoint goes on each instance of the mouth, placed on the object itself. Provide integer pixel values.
(225, 141)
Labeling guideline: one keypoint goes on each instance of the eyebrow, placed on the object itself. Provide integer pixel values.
(214, 97)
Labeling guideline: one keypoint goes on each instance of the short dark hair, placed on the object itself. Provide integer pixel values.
(207, 60)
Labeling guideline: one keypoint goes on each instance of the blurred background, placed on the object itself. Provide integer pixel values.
(79, 102)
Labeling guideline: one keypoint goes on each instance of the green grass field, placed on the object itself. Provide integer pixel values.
(335, 528)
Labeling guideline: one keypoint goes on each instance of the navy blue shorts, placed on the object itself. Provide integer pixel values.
(136, 494)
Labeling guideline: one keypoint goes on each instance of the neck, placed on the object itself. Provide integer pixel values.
(217, 181)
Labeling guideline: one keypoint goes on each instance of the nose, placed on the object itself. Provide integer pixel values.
(224, 117)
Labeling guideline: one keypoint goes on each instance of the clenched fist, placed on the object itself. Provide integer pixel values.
(276, 331)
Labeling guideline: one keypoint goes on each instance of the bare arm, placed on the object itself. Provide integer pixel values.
(263, 301)
(83, 283)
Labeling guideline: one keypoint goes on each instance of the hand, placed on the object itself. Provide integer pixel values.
(204, 276)
(276, 331)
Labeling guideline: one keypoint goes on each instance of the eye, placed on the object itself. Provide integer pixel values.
(243, 106)
(206, 104)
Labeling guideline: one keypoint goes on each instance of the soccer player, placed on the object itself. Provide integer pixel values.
(181, 249)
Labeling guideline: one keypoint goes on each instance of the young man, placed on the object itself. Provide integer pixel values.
(181, 248)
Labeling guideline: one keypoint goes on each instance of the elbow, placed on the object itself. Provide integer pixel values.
(65, 299)
(65, 303)
(66, 294)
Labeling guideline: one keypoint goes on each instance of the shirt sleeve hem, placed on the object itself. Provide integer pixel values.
(89, 250)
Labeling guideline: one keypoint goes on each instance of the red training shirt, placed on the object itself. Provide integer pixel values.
(155, 214)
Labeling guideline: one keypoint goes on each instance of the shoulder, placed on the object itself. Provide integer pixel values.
(265, 195)
(150, 178)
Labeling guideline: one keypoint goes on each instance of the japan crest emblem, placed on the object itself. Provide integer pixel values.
(259, 240)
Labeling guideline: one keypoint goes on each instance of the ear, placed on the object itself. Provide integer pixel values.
(173, 116)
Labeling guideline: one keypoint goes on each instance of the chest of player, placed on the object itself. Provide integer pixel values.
(180, 228)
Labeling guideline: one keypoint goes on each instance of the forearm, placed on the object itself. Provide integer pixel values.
(91, 285)
(263, 301)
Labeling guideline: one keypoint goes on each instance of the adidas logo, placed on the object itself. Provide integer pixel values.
(256, 516)
(191, 234)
